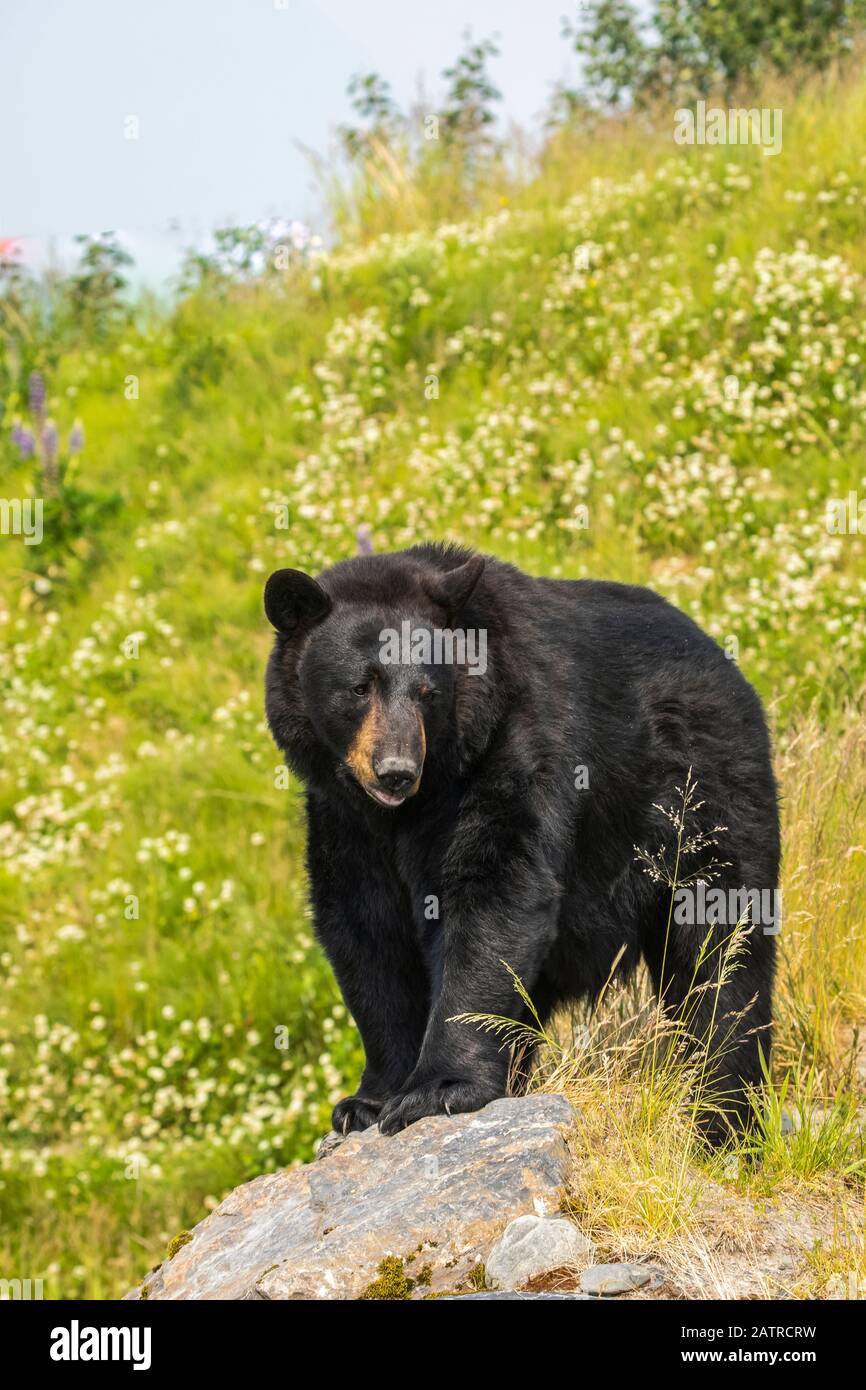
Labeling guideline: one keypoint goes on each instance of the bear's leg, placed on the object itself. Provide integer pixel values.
(723, 996)
(365, 927)
(525, 1050)
(381, 974)
(501, 921)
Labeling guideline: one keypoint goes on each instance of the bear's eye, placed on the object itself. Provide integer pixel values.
(361, 689)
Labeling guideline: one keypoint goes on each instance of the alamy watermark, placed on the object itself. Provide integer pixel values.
(438, 646)
(846, 516)
(736, 126)
(22, 516)
(15, 1289)
(77, 1343)
(696, 904)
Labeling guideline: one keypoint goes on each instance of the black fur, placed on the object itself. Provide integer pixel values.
(526, 868)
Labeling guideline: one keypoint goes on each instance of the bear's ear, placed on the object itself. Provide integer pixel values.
(293, 600)
(452, 589)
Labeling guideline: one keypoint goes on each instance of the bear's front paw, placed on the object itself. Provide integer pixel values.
(355, 1112)
(434, 1097)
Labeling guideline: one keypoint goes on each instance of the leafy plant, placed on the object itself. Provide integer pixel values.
(72, 514)
(690, 48)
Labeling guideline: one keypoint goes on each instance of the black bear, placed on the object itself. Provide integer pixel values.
(484, 755)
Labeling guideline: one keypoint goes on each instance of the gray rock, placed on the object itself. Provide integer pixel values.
(436, 1196)
(328, 1143)
(604, 1280)
(461, 1298)
(534, 1245)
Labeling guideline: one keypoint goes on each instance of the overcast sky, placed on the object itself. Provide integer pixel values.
(224, 93)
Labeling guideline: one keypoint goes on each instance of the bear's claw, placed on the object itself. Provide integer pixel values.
(436, 1097)
(355, 1112)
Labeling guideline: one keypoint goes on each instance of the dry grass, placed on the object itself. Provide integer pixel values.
(785, 1213)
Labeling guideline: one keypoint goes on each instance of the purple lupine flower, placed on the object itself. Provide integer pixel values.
(49, 442)
(48, 455)
(37, 395)
(24, 441)
(365, 544)
(76, 438)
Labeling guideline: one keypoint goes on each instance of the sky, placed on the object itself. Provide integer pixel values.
(226, 94)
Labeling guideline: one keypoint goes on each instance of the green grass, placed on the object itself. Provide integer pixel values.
(155, 938)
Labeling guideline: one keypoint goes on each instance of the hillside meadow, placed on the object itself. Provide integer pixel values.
(646, 362)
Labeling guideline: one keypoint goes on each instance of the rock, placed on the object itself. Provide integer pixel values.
(328, 1143)
(430, 1202)
(534, 1245)
(605, 1280)
(461, 1298)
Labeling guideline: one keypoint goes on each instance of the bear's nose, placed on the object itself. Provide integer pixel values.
(396, 774)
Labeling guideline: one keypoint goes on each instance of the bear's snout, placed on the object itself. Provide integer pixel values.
(396, 775)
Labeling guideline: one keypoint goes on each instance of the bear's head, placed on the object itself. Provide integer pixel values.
(366, 667)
